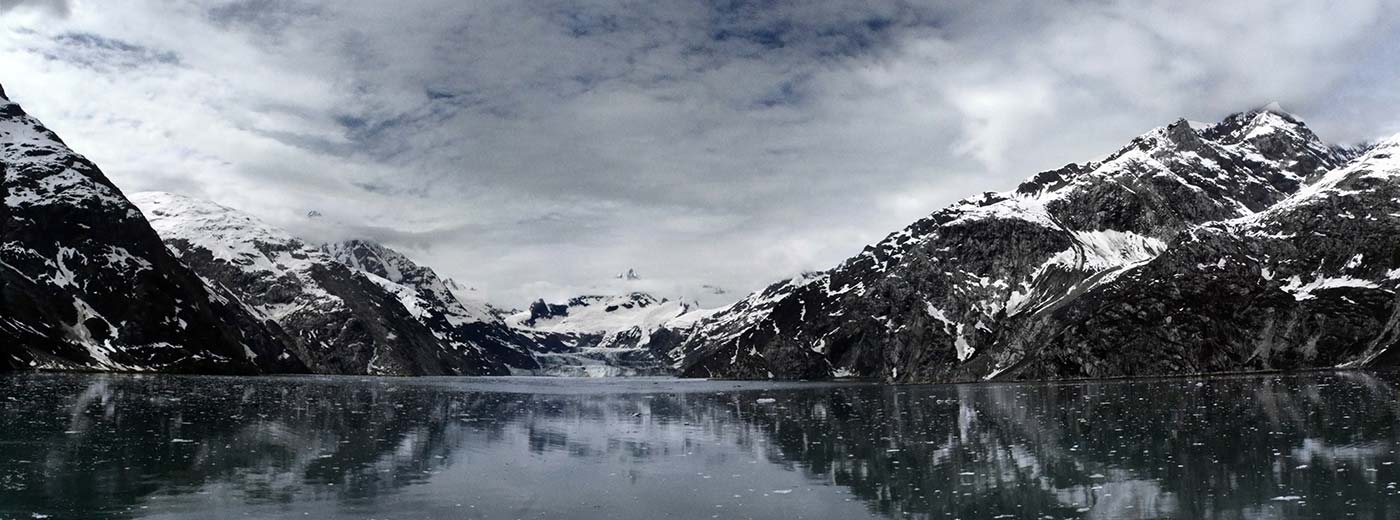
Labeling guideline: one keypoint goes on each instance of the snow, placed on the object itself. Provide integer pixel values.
(994, 373)
(1096, 251)
(1016, 207)
(938, 314)
(79, 333)
(242, 241)
(63, 276)
(1109, 248)
(397, 273)
(40, 169)
(1381, 162)
(613, 315)
(122, 259)
(1304, 291)
(964, 350)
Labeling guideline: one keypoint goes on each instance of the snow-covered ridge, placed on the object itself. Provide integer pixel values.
(1380, 164)
(406, 322)
(597, 314)
(1194, 157)
(42, 171)
(394, 267)
(240, 240)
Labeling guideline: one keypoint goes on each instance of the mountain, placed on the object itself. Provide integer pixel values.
(1043, 281)
(86, 284)
(1310, 282)
(341, 321)
(442, 305)
(596, 335)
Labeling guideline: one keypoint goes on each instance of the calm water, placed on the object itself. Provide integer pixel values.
(1320, 445)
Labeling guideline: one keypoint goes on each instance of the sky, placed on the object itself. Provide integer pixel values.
(537, 149)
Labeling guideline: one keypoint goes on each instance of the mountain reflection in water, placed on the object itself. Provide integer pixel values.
(1299, 445)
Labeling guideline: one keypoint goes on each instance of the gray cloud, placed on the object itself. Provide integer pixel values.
(56, 7)
(535, 148)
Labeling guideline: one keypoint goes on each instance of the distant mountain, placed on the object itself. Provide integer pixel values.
(86, 284)
(622, 320)
(1108, 268)
(629, 275)
(626, 334)
(341, 320)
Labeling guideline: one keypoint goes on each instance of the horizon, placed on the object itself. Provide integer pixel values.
(540, 154)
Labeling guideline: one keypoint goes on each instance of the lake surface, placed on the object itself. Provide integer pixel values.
(1314, 445)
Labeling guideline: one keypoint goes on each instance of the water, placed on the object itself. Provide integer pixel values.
(1316, 445)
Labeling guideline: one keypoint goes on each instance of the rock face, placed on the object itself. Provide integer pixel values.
(468, 325)
(85, 283)
(341, 321)
(1137, 264)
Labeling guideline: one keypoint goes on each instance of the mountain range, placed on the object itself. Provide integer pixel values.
(1246, 244)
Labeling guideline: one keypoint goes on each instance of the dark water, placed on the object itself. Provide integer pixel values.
(1320, 445)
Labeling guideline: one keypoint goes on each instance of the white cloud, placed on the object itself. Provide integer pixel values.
(540, 147)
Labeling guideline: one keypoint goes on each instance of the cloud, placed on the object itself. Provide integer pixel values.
(533, 147)
(55, 7)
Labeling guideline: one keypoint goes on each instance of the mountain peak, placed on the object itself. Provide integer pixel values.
(1183, 134)
(1270, 115)
(629, 275)
(2, 93)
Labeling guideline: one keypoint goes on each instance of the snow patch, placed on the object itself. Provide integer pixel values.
(1304, 291)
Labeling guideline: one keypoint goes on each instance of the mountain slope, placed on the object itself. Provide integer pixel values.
(467, 325)
(341, 321)
(1312, 282)
(929, 301)
(85, 283)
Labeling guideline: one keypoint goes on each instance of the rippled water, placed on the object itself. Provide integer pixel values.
(1317, 445)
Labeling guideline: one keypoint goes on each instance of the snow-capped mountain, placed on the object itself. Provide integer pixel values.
(607, 335)
(342, 321)
(955, 295)
(438, 303)
(623, 320)
(85, 283)
(390, 265)
(1310, 282)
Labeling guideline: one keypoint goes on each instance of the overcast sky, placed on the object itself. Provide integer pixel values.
(537, 148)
